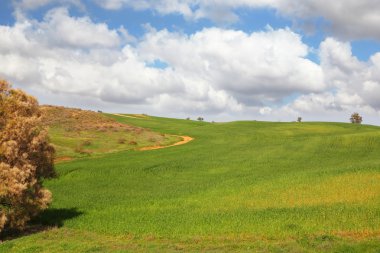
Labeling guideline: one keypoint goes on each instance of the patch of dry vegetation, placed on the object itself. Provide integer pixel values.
(81, 133)
(74, 120)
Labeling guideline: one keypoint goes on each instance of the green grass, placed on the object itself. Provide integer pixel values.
(240, 186)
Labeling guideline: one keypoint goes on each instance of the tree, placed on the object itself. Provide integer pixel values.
(299, 119)
(356, 118)
(26, 158)
(200, 119)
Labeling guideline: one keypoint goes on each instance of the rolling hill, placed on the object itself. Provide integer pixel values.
(237, 187)
(77, 133)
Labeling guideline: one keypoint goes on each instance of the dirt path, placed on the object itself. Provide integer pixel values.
(185, 139)
(62, 159)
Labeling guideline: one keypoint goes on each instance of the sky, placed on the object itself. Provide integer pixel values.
(224, 60)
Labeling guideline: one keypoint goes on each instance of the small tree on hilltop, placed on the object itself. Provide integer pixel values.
(299, 119)
(356, 118)
(26, 158)
(200, 119)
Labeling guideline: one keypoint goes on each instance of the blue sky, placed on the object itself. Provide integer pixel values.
(262, 59)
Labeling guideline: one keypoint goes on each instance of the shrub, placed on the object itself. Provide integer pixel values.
(132, 143)
(121, 141)
(26, 158)
(139, 131)
(80, 148)
(86, 143)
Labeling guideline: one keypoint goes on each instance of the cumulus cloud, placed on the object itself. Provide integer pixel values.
(91, 62)
(59, 29)
(22, 7)
(217, 10)
(348, 19)
(163, 7)
(211, 71)
(349, 75)
(353, 85)
(344, 18)
(31, 4)
(253, 67)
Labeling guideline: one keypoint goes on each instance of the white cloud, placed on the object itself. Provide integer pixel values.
(345, 18)
(353, 85)
(23, 7)
(163, 7)
(349, 75)
(258, 66)
(265, 110)
(31, 4)
(211, 71)
(62, 30)
(89, 62)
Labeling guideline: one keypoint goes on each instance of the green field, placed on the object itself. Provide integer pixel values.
(237, 187)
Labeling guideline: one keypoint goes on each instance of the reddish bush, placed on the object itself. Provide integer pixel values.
(26, 158)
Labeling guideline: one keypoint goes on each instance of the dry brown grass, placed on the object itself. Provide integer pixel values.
(76, 120)
(83, 133)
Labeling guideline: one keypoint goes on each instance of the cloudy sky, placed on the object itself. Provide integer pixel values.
(220, 59)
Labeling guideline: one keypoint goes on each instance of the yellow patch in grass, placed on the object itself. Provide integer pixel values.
(346, 188)
(353, 187)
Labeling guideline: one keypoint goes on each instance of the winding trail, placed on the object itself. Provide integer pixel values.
(185, 139)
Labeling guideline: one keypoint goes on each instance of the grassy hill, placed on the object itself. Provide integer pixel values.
(77, 133)
(237, 187)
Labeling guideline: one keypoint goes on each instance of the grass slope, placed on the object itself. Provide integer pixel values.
(240, 186)
(78, 133)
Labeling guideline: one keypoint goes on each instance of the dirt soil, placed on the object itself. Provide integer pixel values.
(185, 139)
(62, 159)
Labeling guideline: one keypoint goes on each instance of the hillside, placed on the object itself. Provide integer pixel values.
(237, 187)
(79, 133)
